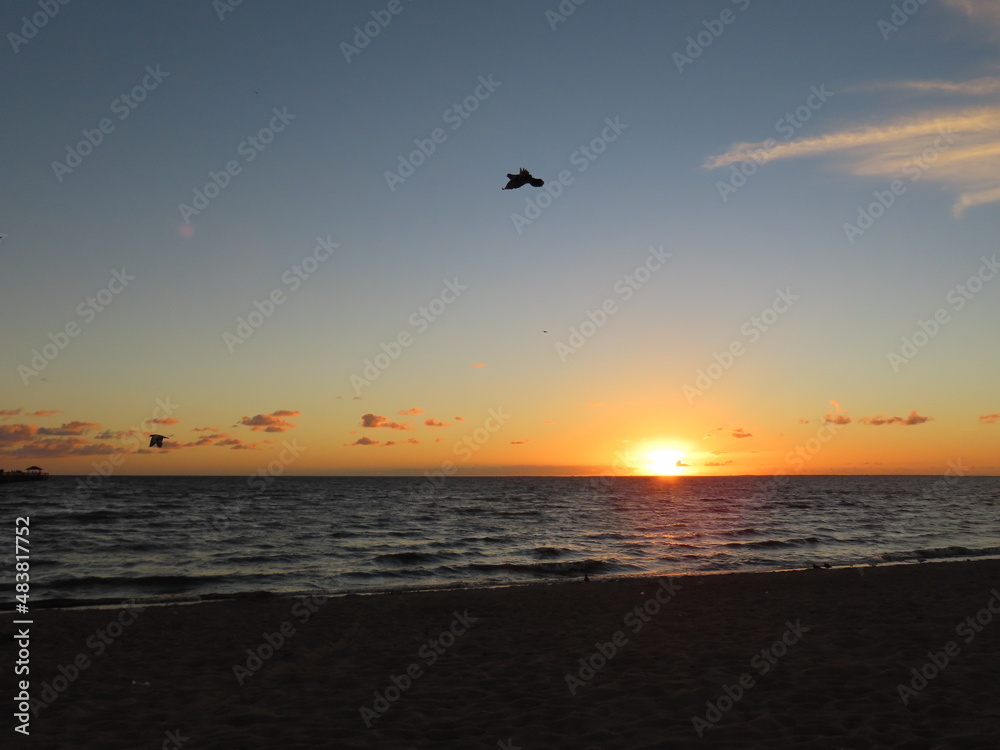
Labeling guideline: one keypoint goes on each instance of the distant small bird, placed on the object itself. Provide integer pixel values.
(157, 440)
(521, 179)
(586, 578)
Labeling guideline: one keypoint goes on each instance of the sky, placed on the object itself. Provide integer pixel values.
(275, 233)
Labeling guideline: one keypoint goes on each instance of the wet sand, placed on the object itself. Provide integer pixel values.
(804, 659)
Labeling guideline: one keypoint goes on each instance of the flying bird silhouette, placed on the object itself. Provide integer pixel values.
(157, 440)
(521, 179)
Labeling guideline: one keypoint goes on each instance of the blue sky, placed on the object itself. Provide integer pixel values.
(872, 101)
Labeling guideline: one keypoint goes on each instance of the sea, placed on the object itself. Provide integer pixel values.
(163, 539)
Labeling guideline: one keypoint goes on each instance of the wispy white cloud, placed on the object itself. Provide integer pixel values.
(981, 11)
(975, 87)
(958, 149)
(967, 163)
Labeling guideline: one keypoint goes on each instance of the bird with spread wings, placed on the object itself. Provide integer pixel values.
(521, 179)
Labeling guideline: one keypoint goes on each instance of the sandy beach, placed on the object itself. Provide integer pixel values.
(859, 658)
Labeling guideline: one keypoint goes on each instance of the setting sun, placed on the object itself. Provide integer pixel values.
(664, 461)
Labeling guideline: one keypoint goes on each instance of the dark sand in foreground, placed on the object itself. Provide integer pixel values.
(851, 637)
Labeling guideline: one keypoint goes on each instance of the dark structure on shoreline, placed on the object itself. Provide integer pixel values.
(31, 474)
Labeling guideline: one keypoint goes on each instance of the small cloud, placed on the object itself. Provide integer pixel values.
(205, 429)
(68, 428)
(5, 413)
(740, 433)
(990, 418)
(840, 417)
(410, 412)
(115, 434)
(479, 364)
(164, 420)
(273, 422)
(215, 439)
(435, 423)
(803, 421)
(459, 419)
(519, 442)
(719, 463)
(881, 419)
(374, 420)
(364, 441)
(390, 443)
(17, 433)
(57, 448)
(681, 463)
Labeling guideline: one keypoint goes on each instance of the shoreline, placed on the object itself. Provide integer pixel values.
(188, 599)
(804, 658)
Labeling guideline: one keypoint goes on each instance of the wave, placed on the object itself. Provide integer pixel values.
(408, 558)
(750, 531)
(550, 551)
(101, 515)
(775, 543)
(495, 511)
(491, 539)
(156, 584)
(181, 535)
(566, 568)
(938, 553)
(165, 583)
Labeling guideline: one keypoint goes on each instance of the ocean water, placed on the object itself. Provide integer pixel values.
(164, 538)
